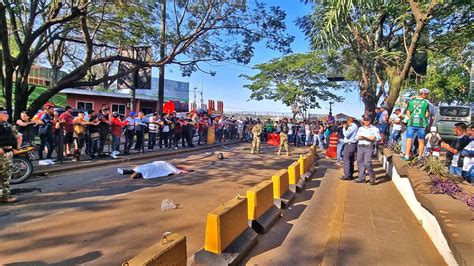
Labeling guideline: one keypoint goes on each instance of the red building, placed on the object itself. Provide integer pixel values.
(118, 102)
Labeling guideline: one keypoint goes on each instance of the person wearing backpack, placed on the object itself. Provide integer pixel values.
(417, 114)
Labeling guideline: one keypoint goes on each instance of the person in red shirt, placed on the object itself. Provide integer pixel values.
(67, 120)
(116, 129)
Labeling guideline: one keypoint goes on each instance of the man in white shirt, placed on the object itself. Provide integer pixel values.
(350, 148)
(367, 136)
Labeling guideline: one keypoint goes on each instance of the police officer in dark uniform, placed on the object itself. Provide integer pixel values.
(9, 139)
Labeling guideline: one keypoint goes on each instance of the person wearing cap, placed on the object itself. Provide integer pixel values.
(383, 122)
(367, 137)
(256, 133)
(116, 129)
(417, 114)
(284, 137)
(9, 140)
(130, 131)
(140, 132)
(433, 141)
(46, 131)
(396, 130)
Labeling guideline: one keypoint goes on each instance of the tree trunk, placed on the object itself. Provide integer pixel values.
(8, 88)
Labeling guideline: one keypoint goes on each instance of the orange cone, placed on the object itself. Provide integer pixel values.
(332, 149)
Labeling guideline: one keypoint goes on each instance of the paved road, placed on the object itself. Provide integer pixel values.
(99, 217)
(337, 222)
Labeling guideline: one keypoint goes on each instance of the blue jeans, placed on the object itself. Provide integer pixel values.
(394, 136)
(340, 143)
(321, 141)
(116, 143)
(455, 170)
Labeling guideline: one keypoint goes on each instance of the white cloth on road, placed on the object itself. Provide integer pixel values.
(157, 169)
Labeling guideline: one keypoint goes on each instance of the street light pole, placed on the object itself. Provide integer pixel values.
(161, 78)
(330, 106)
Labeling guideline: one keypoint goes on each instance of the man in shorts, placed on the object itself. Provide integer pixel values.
(417, 114)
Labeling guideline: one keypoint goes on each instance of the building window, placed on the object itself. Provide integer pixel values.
(119, 108)
(84, 106)
(147, 110)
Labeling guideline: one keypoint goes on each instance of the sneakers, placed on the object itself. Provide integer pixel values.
(372, 181)
(405, 158)
(358, 181)
(8, 200)
(114, 154)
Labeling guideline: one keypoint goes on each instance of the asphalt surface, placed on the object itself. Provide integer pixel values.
(99, 217)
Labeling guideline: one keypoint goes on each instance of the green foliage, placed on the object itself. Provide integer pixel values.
(396, 148)
(447, 78)
(296, 80)
(435, 166)
(373, 39)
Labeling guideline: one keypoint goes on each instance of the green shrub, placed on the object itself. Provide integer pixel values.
(435, 166)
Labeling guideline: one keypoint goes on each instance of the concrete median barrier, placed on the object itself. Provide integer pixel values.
(282, 195)
(296, 184)
(262, 213)
(306, 166)
(171, 250)
(228, 236)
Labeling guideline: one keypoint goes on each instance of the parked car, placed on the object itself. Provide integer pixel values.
(447, 116)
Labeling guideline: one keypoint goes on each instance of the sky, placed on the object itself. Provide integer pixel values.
(227, 86)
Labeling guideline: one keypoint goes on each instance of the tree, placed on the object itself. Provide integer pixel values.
(296, 80)
(447, 78)
(83, 38)
(384, 38)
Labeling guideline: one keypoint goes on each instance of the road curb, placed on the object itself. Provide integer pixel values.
(75, 166)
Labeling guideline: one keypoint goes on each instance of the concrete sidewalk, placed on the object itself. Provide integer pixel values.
(68, 165)
(338, 222)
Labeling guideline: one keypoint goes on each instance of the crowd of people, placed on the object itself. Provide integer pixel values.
(102, 133)
(412, 130)
(71, 134)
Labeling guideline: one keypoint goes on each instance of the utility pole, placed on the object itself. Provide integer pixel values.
(471, 82)
(161, 81)
(330, 106)
(134, 83)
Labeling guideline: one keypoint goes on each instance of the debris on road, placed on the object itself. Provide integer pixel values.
(168, 204)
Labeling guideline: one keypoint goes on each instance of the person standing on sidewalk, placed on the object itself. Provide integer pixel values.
(140, 131)
(25, 128)
(153, 129)
(165, 131)
(349, 150)
(46, 133)
(256, 132)
(104, 127)
(94, 135)
(116, 129)
(284, 137)
(130, 131)
(68, 121)
(368, 136)
(9, 140)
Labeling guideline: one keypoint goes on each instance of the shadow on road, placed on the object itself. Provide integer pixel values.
(88, 257)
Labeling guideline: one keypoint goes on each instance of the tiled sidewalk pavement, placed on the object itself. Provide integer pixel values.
(335, 222)
(379, 221)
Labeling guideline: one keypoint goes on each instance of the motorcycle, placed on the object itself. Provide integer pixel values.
(22, 164)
